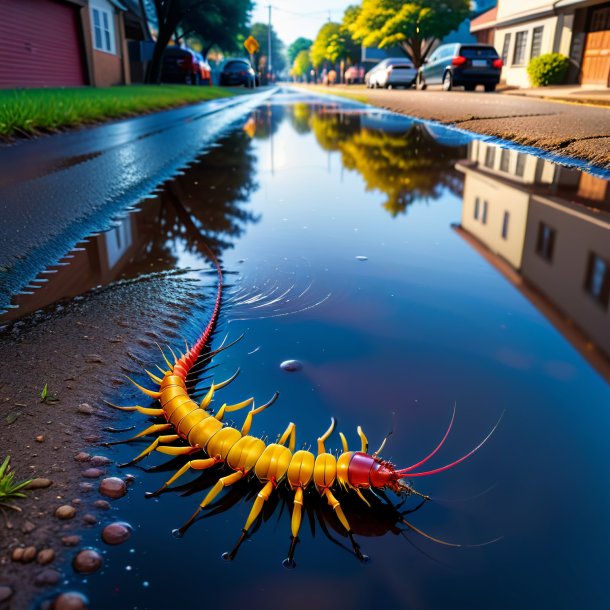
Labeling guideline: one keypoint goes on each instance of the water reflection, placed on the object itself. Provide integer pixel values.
(164, 233)
(547, 229)
(399, 158)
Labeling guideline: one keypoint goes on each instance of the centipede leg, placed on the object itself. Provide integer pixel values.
(150, 430)
(220, 484)
(138, 408)
(261, 498)
(168, 438)
(336, 506)
(295, 527)
(194, 464)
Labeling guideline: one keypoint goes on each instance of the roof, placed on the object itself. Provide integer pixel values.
(484, 21)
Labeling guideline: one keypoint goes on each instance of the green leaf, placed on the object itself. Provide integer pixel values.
(44, 393)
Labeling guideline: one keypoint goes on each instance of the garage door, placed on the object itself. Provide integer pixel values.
(40, 44)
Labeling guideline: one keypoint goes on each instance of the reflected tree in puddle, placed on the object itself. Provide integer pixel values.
(406, 165)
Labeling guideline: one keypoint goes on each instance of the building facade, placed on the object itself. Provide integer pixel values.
(579, 29)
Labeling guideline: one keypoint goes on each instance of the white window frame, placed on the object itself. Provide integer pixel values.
(102, 21)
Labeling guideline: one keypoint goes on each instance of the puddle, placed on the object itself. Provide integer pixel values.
(421, 269)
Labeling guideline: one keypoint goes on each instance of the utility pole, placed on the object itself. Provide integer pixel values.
(269, 49)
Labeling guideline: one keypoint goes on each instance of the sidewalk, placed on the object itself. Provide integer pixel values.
(598, 96)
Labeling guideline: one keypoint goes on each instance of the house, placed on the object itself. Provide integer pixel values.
(483, 27)
(546, 228)
(579, 29)
(62, 43)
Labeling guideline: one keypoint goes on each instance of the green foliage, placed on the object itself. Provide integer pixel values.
(9, 490)
(414, 25)
(300, 44)
(319, 48)
(31, 111)
(260, 32)
(301, 65)
(548, 69)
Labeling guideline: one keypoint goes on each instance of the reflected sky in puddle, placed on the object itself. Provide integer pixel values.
(450, 271)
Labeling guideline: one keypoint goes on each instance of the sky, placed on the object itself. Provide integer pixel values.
(294, 18)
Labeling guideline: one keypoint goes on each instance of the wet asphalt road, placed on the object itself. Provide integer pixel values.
(56, 191)
(573, 130)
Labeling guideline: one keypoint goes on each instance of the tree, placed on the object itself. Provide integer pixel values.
(319, 48)
(278, 63)
(210, 18)
(300, 44)
(301, 65)
(415, 25)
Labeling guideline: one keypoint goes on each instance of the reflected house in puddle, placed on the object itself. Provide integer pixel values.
(547, 229)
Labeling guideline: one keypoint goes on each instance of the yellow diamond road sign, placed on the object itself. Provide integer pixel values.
(251, 44)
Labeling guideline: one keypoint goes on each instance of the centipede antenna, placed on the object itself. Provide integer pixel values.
(428, 536)
(438, 446)
(403, 474)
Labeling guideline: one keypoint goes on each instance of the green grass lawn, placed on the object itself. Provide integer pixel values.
(26, 112)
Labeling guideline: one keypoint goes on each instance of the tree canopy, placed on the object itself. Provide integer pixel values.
(259, 31)
(300, 44)
(212, 21)
(415, 25)
(301, 65)
(318, 51)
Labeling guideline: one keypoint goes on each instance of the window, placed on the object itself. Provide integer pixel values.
(504, 160)
(505, 48)
(536, 41)
(545, 242)
(103, 30)
(520, 168)
(597, 280)
(505, 225)
(490, 156)
(520, 48)
(484, 217)
(477, 205)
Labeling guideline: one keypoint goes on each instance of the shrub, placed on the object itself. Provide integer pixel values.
(549, 69)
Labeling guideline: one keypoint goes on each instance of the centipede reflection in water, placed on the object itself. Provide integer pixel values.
(272, 465)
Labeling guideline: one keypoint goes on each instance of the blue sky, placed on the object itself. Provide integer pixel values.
(291, 18)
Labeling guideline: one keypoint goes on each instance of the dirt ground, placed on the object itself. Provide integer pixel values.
(81, 355)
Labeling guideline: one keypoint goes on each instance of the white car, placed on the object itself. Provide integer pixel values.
(391, 72)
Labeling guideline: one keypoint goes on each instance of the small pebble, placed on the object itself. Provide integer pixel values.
(5, 593)
(65, 512)
(70, 601)
(93, 473)
(40, 438)
(28, 527)
(81, 456)
(87, 561)
(116, 533)
(291, 366)
(76, 502)
(71, 540)
(100, 460)
(96, 358)
(40, 484)
(129, 479)
(45, 556)
(47, 578)
(113, 487)
(17, 554)
(362, 258)
(92, 438)
(102, 504)
(86, 487)
(29, 554)
(90, 519)
(85, 409)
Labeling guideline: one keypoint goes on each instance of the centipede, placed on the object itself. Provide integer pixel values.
(193, 429)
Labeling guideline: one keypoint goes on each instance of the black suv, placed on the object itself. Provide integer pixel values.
(467, 65)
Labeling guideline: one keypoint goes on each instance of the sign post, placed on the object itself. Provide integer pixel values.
(252, 47)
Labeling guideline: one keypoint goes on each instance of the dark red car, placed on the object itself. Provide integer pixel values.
(183, 65)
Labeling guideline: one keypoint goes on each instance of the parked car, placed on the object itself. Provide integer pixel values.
(461, 65)
(237, 72)
(354, 74)
(183, 65)
(391, 72)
